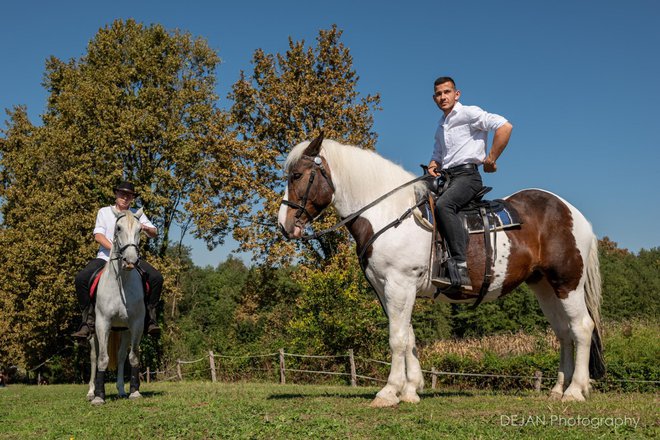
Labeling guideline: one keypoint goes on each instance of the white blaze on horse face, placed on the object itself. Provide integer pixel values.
(286, 220)
(128, 233)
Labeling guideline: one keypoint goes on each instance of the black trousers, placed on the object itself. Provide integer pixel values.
(83, 278)
(464, 184)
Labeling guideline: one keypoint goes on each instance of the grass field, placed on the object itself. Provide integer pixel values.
(199, 410)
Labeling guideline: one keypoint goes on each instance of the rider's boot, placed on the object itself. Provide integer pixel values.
(86, 328)
(152, 327)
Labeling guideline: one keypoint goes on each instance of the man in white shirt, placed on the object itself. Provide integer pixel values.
(460, 147)
(104, 231)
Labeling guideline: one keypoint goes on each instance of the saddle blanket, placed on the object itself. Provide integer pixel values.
(500, 216)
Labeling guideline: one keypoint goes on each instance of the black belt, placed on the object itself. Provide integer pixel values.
(457, 168)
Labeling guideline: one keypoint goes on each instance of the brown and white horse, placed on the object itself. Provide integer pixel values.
(554, 252)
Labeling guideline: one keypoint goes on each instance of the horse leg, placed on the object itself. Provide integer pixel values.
(553, 311)
(581, 328)
(102, 333)
(93, 349)
(399, 309)
(414, 376)
(121, 360)
(134, 359)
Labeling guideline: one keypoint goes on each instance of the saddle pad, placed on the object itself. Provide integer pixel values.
(500, 216)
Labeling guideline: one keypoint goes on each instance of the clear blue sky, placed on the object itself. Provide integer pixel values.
(579, 80)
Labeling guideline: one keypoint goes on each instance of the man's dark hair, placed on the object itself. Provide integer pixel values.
(444, 79)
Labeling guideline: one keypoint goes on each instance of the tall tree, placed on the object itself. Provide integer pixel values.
(140, 105)
(287, 99)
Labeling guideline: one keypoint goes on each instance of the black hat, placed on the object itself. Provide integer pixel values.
(126, 187)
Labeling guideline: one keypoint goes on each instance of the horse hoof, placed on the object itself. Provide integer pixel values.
(379, 402)
(98, 401)
(555, 396)
(135, 395)
(90, 397)
(573, 397)
(410, 398)
(122, 396)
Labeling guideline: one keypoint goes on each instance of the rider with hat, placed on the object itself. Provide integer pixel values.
(460, 147)
(103, 234)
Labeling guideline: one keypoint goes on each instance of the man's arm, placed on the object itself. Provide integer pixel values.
(500, 140)
(151, 232)
(102, 240)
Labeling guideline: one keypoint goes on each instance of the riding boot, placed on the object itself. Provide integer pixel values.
(86, 328)
(152, 327)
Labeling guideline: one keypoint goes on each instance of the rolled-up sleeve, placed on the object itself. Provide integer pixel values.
(484, 121)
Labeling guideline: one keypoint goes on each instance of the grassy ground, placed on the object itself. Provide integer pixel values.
(199, 410)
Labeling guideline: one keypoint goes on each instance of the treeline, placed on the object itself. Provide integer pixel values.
(237, 310)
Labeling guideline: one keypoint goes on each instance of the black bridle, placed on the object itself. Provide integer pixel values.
(301, 207)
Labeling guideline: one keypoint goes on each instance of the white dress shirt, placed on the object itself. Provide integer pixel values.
(105, 224)
(462, 135)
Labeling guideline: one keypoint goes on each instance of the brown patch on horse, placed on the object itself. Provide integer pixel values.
(362, 231)
(544, 247)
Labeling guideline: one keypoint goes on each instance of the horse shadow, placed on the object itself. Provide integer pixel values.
(366, 395)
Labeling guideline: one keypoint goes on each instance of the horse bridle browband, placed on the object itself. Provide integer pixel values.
(318, 162)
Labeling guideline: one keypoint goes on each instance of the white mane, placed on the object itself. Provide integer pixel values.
(361, 176)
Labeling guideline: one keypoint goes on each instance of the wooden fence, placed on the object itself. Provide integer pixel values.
(281, 355)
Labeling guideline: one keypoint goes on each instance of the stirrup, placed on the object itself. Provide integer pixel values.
(153, 330)
(83, 332)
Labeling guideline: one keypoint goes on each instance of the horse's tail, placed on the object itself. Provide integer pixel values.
(113, 348)
(593, 296)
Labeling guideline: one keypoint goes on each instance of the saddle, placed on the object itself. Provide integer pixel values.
(96, 276)
(479, 217)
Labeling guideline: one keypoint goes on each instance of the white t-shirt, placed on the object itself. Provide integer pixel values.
(105, 224)
(462, 135)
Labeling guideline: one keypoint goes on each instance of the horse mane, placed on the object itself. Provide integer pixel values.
(363, 173)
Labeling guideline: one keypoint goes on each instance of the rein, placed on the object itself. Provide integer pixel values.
(357, 213)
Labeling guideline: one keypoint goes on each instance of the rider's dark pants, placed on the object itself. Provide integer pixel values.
(464, 184)
(154, 278)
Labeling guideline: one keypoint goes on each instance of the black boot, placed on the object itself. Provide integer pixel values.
(86, 328)
(152, 327)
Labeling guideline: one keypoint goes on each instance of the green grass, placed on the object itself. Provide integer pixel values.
(198, 410)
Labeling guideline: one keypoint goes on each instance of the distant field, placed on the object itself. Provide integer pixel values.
(199, 410)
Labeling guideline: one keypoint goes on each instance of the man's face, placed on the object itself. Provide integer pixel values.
(123, 199)
(445, 96)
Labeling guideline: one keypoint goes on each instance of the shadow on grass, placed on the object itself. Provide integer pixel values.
(367, 395)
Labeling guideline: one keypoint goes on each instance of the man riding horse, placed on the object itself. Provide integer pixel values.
(460, 146)
(103, 234)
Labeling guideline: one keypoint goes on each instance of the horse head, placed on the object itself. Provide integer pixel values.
(125, 245)
(307, 194)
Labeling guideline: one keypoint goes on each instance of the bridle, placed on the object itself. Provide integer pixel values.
(120, 252)
(301, 207)
(302, 210)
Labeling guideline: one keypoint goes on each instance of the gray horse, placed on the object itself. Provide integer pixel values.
(119, 305)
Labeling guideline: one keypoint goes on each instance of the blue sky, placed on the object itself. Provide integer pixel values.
(579, 80)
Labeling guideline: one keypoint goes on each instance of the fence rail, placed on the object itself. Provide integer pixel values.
(281, 356)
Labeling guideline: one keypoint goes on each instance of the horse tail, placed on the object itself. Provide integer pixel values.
(113, 347)
(593, 296)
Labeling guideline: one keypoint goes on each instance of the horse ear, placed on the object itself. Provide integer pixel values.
(115, 211)
(138, 213)
(315, 146)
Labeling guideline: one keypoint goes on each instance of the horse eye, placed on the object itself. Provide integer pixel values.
(296, 176)
(119, 228)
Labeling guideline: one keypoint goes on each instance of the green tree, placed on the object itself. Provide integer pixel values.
(288, 98)
(140, 105)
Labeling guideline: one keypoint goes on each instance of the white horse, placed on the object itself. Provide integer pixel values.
(119, 305)
(554, 251)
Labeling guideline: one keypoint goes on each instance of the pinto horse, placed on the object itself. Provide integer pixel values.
(554, 252)
(119, 305)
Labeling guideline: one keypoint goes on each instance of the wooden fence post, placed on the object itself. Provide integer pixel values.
(148, 375)
(212, 363)
(434, 377)
(178, 369)
(537, 381)
(353, 374)
(282, 377)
